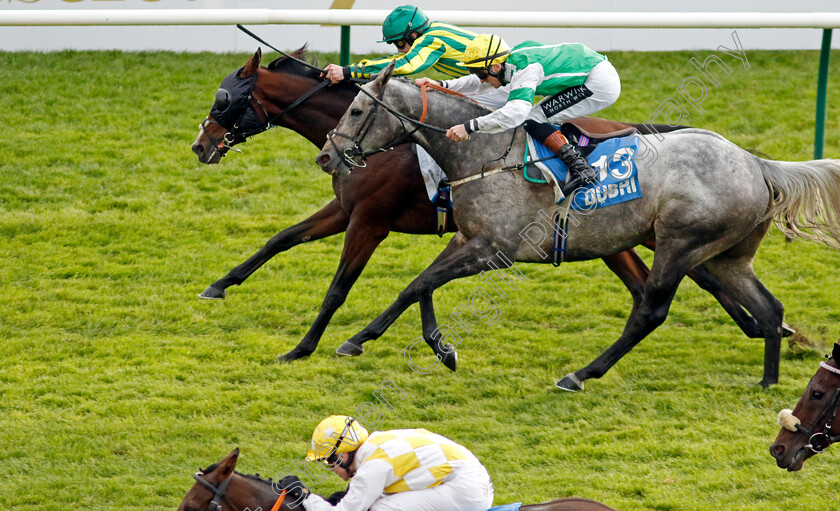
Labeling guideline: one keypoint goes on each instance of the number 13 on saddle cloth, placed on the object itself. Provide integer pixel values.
(613, 159)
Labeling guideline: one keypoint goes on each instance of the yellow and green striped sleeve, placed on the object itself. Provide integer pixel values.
(441, 47)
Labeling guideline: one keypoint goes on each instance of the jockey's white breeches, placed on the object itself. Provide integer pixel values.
(605, 85)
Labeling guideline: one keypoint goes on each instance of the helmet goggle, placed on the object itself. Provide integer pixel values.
(331, 460)
(481, 72)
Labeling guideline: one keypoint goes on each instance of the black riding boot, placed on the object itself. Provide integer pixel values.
(580, 172)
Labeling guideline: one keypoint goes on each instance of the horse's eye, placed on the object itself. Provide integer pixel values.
(356, 111)
(816, 395)
(222, 99)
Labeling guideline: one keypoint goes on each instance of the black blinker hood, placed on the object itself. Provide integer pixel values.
(232, 100)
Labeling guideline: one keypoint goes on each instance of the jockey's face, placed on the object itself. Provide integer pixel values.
(492, 80)
(341, 471)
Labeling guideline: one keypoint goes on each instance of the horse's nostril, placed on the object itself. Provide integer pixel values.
(198, 149)
(323, 159)
(777, 450)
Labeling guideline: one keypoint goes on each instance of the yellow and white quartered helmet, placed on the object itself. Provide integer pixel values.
(484, 51)
(334, 435)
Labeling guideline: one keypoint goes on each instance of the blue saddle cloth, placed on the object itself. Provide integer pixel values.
(613, 159)
(507, 507)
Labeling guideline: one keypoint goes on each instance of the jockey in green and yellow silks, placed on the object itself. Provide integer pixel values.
(422, 44)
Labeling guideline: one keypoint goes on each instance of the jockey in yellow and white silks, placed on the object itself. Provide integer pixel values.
(403, 469)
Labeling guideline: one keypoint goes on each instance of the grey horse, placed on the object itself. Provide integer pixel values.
(705, 200)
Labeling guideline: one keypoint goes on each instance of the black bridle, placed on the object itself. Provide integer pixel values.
(245, 125)
(820, 441)
(243, 128)
(219, 491)
(350, 154)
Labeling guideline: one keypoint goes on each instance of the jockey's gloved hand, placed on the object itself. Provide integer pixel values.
(336, 497)
(295, 489)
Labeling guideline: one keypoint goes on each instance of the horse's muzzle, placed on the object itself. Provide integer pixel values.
(206, 154)
(789, 459)
(331, 164)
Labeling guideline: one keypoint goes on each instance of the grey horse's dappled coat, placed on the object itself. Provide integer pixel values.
(705, 200)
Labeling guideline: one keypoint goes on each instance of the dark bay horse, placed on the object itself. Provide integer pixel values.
(387, 195)
(705, 200)
(813, 425)
(232, 491)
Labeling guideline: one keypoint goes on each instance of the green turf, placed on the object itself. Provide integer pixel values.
(117, 382)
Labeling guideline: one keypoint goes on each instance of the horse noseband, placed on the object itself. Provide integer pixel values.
(350, 153)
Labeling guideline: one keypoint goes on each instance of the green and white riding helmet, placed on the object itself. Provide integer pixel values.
(402, 21)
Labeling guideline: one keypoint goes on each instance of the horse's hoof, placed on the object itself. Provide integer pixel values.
(787, 330)
(449, 359)
(350, 349)
(570, 383)
(766, 383)
(212, 293)
(292, 356)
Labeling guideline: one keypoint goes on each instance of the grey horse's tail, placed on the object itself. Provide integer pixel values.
(806, 199)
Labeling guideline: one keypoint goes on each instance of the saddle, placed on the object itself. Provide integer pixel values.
(583, 140)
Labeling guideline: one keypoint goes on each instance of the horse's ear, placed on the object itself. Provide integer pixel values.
(383, 77)
(227, 465)
(836, 353)
(252, 65)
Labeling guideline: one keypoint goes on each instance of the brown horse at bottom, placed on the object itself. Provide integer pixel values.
(387, 195)
(812, 426)
(232, 491)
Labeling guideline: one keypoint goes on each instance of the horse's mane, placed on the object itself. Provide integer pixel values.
(290, 65)
(209, 469)
(255, 477)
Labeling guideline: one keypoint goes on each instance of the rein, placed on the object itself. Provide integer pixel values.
(400, 115)
(280, 499)
(350, 154)
(355, 151)
(482, 174)
(261, 40)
